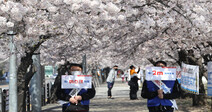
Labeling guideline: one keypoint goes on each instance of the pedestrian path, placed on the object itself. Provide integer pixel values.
(121, 101)
(100, 103)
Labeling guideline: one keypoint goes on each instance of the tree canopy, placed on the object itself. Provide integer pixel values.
(110, 32)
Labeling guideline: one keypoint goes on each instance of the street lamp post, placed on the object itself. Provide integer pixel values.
(84, 64)
(13, 75)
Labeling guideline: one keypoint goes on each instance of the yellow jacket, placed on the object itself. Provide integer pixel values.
(132, 71)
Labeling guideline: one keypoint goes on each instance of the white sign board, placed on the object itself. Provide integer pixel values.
(209, 85)
(161, 73)
(190, 78)
(76, 81)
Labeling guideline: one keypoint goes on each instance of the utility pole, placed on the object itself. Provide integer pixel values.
(13, 75)
(84, 64)
(35, 85)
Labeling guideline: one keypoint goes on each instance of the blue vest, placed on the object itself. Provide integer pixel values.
(83, 102)
(156, 101)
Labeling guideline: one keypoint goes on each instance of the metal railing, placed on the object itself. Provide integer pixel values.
(97, 79)
(46, 94)
(4, 98)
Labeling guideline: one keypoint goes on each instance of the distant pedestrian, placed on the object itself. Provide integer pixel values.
(111, 79)
(133, 83)
(122, 77)
(126, 76)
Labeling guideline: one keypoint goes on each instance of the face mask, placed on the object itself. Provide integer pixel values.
(76, 73)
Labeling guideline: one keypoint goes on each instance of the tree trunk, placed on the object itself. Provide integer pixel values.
(22, 71)
(24, 77)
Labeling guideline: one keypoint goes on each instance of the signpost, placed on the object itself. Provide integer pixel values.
(48, 70)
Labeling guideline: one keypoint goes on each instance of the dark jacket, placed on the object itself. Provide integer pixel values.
(149, 91)
(86, 94)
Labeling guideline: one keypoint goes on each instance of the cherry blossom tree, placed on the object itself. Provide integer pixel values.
(110, 32)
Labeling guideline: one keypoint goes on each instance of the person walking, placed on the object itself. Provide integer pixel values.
(111, 79)
(126, 76)
(157, 100)
(122, 77)
(133, 83)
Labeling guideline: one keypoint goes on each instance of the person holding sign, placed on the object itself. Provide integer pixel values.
(78, 98)
(160, 93)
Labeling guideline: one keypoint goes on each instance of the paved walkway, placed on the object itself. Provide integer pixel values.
(100, 103)
(122, 102)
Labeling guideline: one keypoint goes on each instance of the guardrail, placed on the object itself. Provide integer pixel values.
(46, 94)
(28, 104)
(97, 80)
(4, 98)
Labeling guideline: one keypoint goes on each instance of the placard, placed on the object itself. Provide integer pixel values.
(190, 78)
(160, 73)
(76, 81)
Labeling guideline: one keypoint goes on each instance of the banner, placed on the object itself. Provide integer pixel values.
(190, 78)
(161, 73)
(76, 81)
(209, 85)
